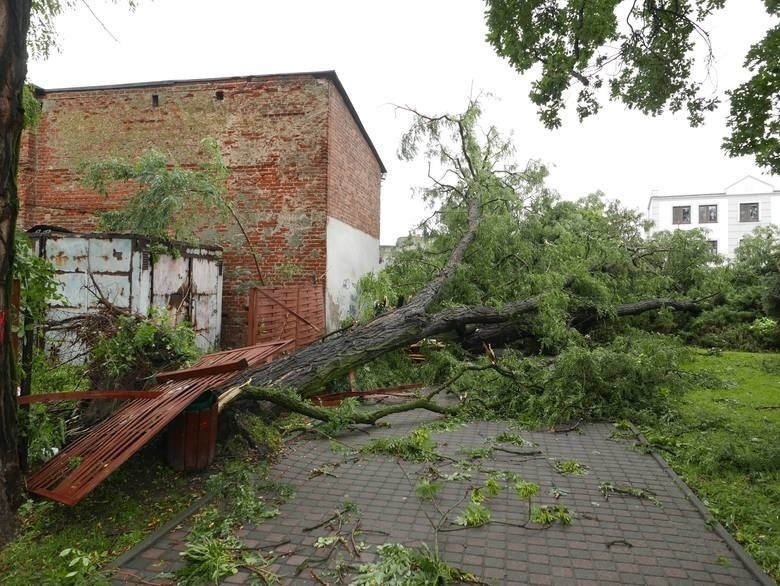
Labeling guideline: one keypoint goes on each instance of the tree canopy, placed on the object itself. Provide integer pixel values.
(42, 34)
(169, 201)
(643, 53)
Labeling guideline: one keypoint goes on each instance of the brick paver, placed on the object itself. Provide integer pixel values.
(616, 540)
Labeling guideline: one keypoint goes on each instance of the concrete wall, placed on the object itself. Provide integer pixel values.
(294, 150)
(351, 254)
(738, 229)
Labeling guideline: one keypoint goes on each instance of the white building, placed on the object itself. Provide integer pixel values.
(727, 217)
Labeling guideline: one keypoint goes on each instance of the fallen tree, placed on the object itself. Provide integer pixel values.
(480, 198)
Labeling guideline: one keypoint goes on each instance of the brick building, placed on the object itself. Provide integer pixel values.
(303, 173)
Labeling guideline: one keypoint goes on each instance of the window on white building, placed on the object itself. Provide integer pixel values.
(748, 212)
(708, 214)
(713, 246)
(681, 215)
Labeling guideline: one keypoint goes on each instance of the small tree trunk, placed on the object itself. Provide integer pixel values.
(14, 21)
(25, 388)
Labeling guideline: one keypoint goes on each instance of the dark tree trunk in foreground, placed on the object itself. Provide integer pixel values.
(14, 21)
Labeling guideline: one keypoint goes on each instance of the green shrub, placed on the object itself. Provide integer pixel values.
(45, 423)
(633, 376)
(209, 560)
(140, 347)
(410, 567)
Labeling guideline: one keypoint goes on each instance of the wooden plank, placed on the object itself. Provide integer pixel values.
(86, 395)
(251, 326)
(202, 371)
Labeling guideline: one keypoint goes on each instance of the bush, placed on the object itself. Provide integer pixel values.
(45, 424)
(731, 328)
(137, 348)
(631, 377)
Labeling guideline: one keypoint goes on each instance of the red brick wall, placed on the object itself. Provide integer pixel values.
(273, 133)
(354, 174)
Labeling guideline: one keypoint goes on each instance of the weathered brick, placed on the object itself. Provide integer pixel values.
(295, 150)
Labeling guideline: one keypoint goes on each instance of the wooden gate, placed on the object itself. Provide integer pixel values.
(295, 312)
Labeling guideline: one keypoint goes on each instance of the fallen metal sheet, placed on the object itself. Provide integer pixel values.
(86, 396)
(73, 473)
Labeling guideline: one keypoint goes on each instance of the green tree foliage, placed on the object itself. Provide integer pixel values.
(137, 348)
(573, 257)
(168, 200)
(648, 51)
(42, 34)
(743, 315)
(755, 105)
(39, 284)
(32, 107)
(580, 262)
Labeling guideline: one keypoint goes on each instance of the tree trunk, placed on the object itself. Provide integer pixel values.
(14, 21)
(25, 387)
(309, 369)
(521, 333)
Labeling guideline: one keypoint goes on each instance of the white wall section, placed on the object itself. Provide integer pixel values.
(351, 254)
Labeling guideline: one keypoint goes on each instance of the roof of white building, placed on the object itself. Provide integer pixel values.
(748, 185)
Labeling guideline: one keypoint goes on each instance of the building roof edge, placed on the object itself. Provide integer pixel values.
(330, 75)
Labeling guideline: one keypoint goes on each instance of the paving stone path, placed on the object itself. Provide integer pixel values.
(612, 539)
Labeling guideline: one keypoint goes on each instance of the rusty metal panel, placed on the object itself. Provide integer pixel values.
(110, 254)
(82, 465)
(189, 286)
(115, 288)
(172, 287)
(68, 255)
(140, 282)
(170, 274)
(74, 290)
(205, 319)
(205, 315)
(205, 276)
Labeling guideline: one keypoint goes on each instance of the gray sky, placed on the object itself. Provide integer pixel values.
(429, 54)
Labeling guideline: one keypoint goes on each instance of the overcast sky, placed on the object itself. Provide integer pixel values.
(429, 54)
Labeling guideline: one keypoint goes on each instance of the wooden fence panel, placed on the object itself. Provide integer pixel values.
(294, 312)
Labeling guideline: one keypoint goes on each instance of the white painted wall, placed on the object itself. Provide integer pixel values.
(351, 254)
(729, 230)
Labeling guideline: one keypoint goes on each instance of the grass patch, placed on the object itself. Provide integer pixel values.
(725, 442)
(417, 447)
(55, 540)
(57, 544)
(570, 467)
